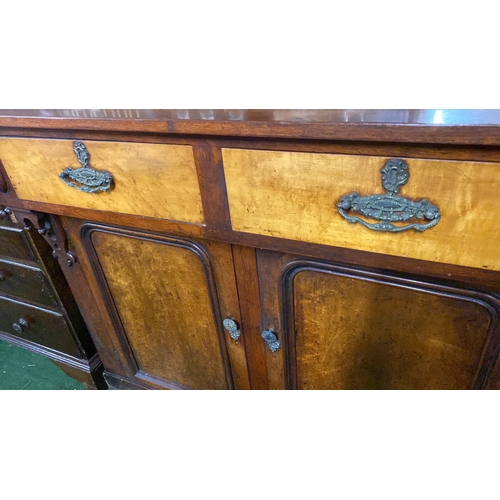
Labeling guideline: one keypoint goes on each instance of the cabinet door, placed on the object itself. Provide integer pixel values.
(344, 328)
(167, 298)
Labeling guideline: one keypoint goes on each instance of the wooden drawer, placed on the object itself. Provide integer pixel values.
(46, 328)
(153, 180)
(25, 282)
(295, 196)
(14, 244)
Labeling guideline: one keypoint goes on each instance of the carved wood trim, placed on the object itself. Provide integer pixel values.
(50, 227)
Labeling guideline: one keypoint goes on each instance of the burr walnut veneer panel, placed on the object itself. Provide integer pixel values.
(353, 334)
(165, 302)
(294, 196)
(153, 180)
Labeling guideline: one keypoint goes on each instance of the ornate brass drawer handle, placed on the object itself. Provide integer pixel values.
(390, 207)
(86, 178)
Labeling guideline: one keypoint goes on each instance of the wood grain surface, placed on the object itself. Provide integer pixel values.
(45, 327)
(354, 334)
(245, 266)
(295, 195)
(269, 265)
(221, 258)
(89, 295)
(164, 303)
(14, 244)
(438, 126)
(26, 282)
(152, 180)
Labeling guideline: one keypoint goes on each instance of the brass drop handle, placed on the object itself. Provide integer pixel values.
(232, 327)
(86, 178)
(388, 208)
(271, 339)
(20, 326)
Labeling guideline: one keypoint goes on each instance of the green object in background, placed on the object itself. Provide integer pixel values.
(23, 370)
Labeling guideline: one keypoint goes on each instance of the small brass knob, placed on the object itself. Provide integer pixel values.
(20, 326)
(232, 327)
(271, 339)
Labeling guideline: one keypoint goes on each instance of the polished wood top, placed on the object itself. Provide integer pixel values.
(402, 116)
(446, 126)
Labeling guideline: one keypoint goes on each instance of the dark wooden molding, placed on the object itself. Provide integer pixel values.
(474, 127)
(159, 383)
(79, 363)
(245, 266)
(118, 382)
(373, 147)
(8, 195)
(136, 221)
(93, 380)
(452, 273)
(208, 159)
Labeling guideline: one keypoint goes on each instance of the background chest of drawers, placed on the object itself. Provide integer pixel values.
(37, 311)
(221, 253)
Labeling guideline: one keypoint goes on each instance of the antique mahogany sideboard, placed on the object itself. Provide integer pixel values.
(254, 249)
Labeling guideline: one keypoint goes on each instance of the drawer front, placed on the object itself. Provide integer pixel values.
(46, 328)
(14, 245)
(153, 180)
(25, 283)
(295, 196)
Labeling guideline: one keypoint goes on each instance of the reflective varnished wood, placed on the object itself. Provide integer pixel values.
(155, 180)
(163, 299)
(354, 334)
(346, 328)
(273, 116)
(167, 298)
(355, 316)
(438, 126)
(295, 196)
